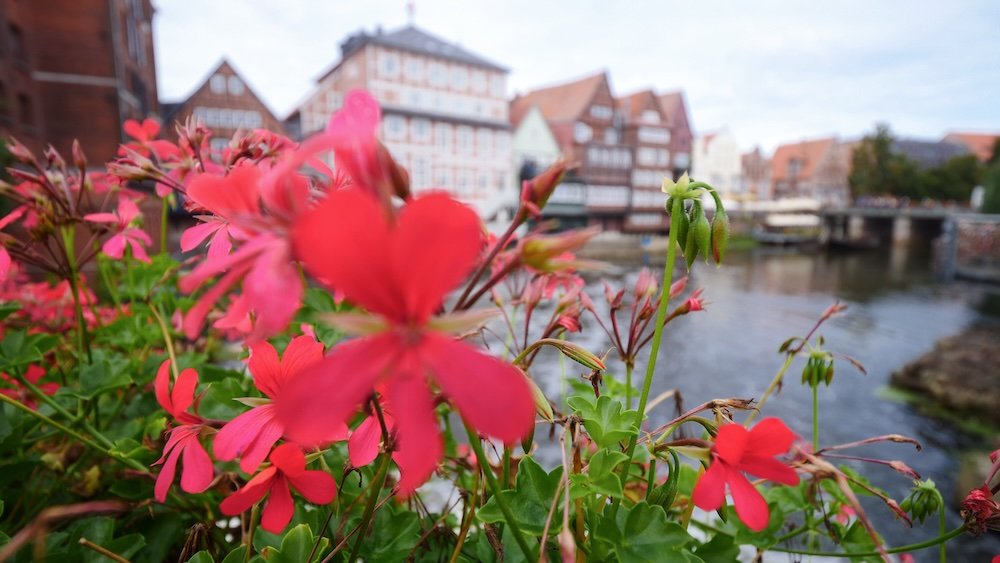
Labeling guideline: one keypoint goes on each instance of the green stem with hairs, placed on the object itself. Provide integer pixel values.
(815, 394)
(163, 225)
(373, 492)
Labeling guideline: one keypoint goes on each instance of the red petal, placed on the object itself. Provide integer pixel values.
(182, 395)
(115, 246)
(363, 445)
(314, 406)
(195, 317)
(198, 470)
(491, 395)
(770, 437)
(228, 196)
(134, 129)
(265, 367)
(167, 472)
(279, 509)
(161, 385)
(710, 490)
(4, 264)
(150, 127)
(749, 503)
(328, 243)
(302, 353)
(101, 217)
(289, 459)
(253, 491)
(250, 435)
(434, 246)
(318, 487)
(197, 234)
(769, 468)
(274, 290)
(731, 443)
(419, 439)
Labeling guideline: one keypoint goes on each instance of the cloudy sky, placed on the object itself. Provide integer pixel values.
(771, 71)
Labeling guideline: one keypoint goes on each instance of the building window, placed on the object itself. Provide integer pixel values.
(464, 183)
(420, 172)
(442, 136)
(502, 143)
(478, 82)
(794, 167)
(219, 144)
(443, 178)
(601, 112)
(395, 127)
(464, 139)
(420, 129)
(654, 135)
(582, 132)
(414, 69)
(235, 86)
(484, 140)
(497, 86)
(25, 112)
(389, 64)
(438, 74)
(333, 101)
(218, 84)
(459, 78)
(17, 43)
(610, 136)
(650, 116)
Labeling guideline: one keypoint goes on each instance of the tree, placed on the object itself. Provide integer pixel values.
(991, 181)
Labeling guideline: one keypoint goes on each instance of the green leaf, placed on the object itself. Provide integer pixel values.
(5, 428)
(394, 533)
(103, 374)
(719, 548)
(600, 477)
(295, 546)
(604, 419)
(126, 546)
(201, 557)
(237, 555)
(530, 499)
(642, 533)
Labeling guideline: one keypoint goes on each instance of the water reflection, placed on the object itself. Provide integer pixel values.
(759, 298)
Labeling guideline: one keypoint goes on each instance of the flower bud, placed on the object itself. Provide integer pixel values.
(690, 247)
(720, 234)
(678, 189)
(545, 253)
(535, 192)
(53, 158)
(19, 151)
(678, 287)
(683, 226)
(542, 405)
(79, 159)
(577, 353)
(702, 232)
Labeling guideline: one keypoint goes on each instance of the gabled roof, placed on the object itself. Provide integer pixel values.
(981, 144)
(562, 102)
(633, 105)
(170, 109)
(672, 105)
(416, 40)
(929, 154)
(810, 153)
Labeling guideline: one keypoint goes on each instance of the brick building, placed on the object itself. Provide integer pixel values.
(444, 111)
(815, 169)
(681, 136)
(755, 177)
(75, 69)
(225, 103)
(644, 129)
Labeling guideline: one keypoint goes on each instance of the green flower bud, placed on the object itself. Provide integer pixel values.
(690, 246)
(702, 232)
(720, 234)
(682, 229)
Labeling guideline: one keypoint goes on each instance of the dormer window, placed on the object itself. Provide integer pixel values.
(601, 112)
(218, 84)
(582, 132)
(650, 116)
(235, 86)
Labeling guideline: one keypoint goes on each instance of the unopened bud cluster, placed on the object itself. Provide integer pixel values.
(696, 235)
(923, 501)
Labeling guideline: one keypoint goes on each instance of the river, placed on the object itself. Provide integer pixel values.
(759, 298)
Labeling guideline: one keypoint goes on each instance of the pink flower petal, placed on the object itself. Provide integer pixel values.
(302, 353)
(731, 443)
(279, 509)
(166, 476)
(434, 247)
(419, 438)
(363, 445)
(195, 317)
(138, 252)
(318, 487)
(314, 405)
(115, 246)
(274, 290)
(255, 489)
(197, 234)
(265, 367)
(770, 436)
(769, 468)
(4, 264)
(326, 240)
(250, 435)
(491, 395)
(161, 386)
(182, 395)
(228, 196)
(198, 470)
(710, 490)
(101, 217)
(749, 503)
(289, 459)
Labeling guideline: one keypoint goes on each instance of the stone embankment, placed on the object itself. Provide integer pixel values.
(961, 374)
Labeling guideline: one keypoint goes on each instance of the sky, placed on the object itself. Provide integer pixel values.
(770, 71)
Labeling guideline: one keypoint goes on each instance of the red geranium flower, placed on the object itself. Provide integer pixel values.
(133, 237)
(21, 392)
(182, 439)
(288, 470)
(252, 434)
(737, 450)
(401, 272)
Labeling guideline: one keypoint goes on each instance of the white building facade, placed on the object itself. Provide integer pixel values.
(444, 111)
(717, 160)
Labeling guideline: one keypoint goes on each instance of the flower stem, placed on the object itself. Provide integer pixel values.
(628, 384)
(366, 517)
(661, 314)
(491, 482)
(254, 519)
(163, 225)
(940, 540)
(815, 393)
(943, 525)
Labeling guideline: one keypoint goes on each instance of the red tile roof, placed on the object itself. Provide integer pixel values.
(809, 152)
(562, 102)
(672, 104)
(981, 144)
(633, 105)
